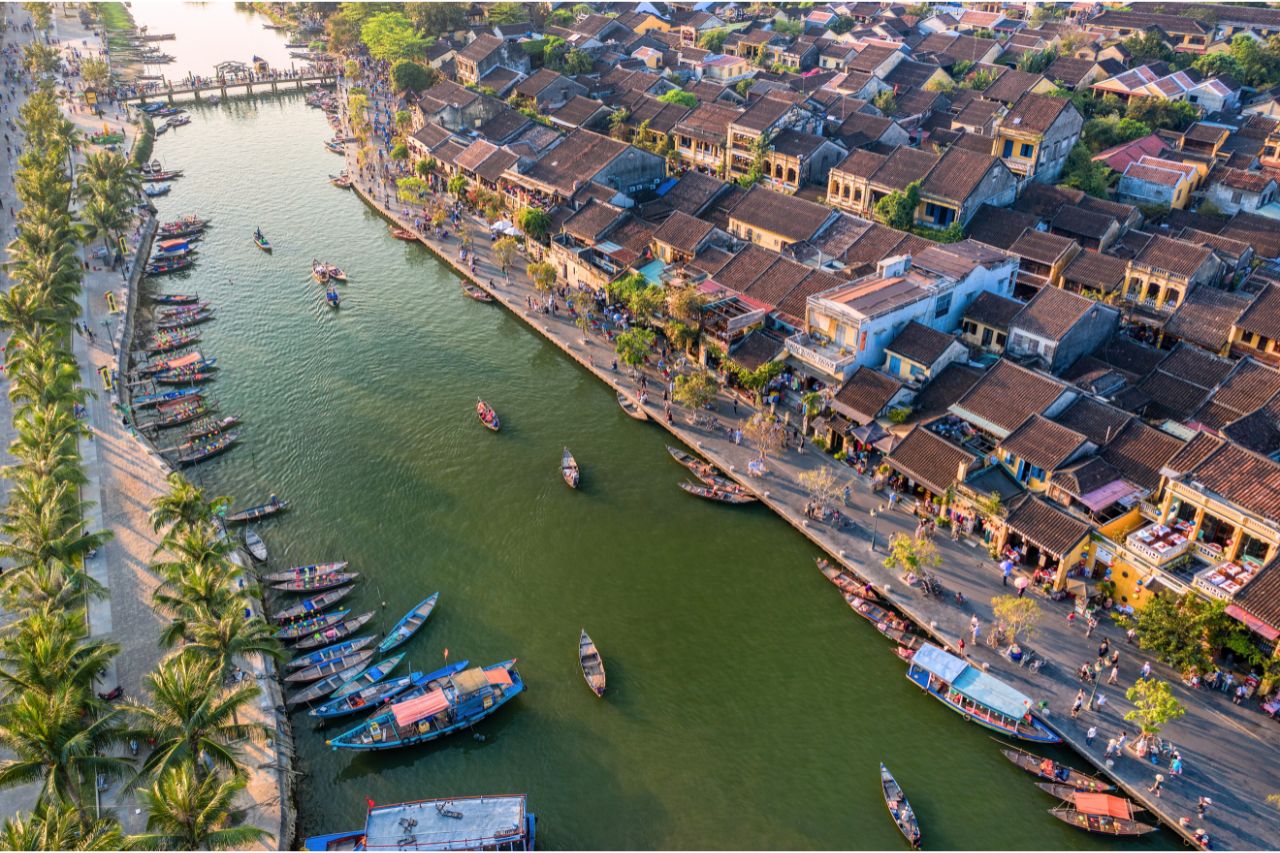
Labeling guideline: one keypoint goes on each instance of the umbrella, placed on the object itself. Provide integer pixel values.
(1022, 583)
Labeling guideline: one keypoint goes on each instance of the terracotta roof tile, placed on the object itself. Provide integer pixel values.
(865, 395)
(1035, 113)
(930, 459)
(1263, 316)
(1043, 443)
(683, 232)
(1007, 395)
(1049, 528)
(949, 385)
(1206, 316)
(1052, 313)
(920, 344)
(993, 310)
(1095, 271)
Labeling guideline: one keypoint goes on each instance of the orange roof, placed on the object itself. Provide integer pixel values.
(499, 676)
(1103, 804)
(420, 708)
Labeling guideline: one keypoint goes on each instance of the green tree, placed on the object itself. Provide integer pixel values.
(578, 61)
(505, 250)
(226, 637)
(410, 76)
(188, 811)
(885, 102)
(696, 390)
(457, 185)
(1154, 706)
(1148, 46)
(95, 72)
(912, 554)
(1184, 632)
(681, 97)
(811, 403)
(437, 18)
(390, 36)
(506, 13)
(713, 40)
(1019, 616)
(41, 14)
(1110, 130)
(645, 303)
(543, 275)
(898, 209)
(61, 826)
(534, 223)
(633, 346)
(1082, 172)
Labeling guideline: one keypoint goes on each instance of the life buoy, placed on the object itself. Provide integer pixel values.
(967, 718)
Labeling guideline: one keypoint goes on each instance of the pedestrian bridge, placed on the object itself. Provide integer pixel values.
(227, 88)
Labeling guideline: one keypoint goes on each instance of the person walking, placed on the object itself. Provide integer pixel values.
(1099, 702)
(1077, 704)
(1114, 676)
(1146, 670)
(1202, 806)
(961, 647)
(1156, 785)
(1091, 734)
(1112, 748)
(973, 628)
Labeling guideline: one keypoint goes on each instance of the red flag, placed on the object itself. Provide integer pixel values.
(446, 654)
(369, 801)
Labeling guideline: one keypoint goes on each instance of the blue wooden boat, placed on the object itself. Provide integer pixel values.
(453, 823)
(143, 401)
(324, 687)
(899, 808)
(299, 572)
(466, 699)
(370, 676)
(409, 624)
(307, 626)
(333, 633)
(324, 669)
(337, 650)
(977, 696)
(260, 240)
(314, 605)
(271, 507)
(414, 685)
(331, 296)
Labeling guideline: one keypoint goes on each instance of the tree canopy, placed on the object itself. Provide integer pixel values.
(681, 97)
(391, 36)
(410, 76)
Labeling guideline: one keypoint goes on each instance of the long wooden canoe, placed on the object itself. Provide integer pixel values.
(370, 676)
(1048, 769)
(713, 493)
(316, 624)
(332, 632)
(569, 469)
(305, 571)
(838, 576)
(1102, 824)
(632, 407)
(409, 624)
(337, 650)
(316, 583)
(271, 507)
(899, 808)
(592, 664)
(329, 667)
(323, 601)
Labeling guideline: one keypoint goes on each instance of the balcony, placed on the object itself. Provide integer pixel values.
(1157, 544)
(1224, 580)
(825, 356)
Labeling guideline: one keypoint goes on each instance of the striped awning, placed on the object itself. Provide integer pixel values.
(409, 712)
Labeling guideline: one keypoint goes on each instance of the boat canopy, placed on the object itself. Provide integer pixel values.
(500, 676)
(972, 683)
(469, 681)
(1104, 805)
(419, 708)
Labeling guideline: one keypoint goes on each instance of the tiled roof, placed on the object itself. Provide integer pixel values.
(1011, 85)
(475, 154)
(1095, 271)
(1260, 597)
(577, 159)
(865, 395)
(576, 111)
(790, 216)
(1073, 221)
(1041, 246)
(492, 167)
(1206, 316)
(1139, 452)
(1043, 443)
(1000, 226)
(930, 460)
(1035, 113)
(746, 267)
(1248, 480)
(591, 220)
(1048, 528)
(762, 114)
(949, 385)
(757, 348)
(959, 173)
(1130, 356)
(709, 122)
(1182, 381)
(480, 48)
(1007, 395)
(909, 74)
(1249, 387)
(1153, 175)
(993, 310)
(693, 191)
(1259, 431)
(793, 304)
(1081, 478)
(921, 344)
(683, 232)
(1069, 70)
(776, 281)
(1052, 313)
(1263, 316)
(870, 57)
(1096, 420)
(1173, 256)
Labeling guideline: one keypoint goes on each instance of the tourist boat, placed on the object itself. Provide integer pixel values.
(632, 407)
(488, 416)
(320, 602)
(342, 181)
(591, 662)
(324, 687)
(187, 411)
(371, 676)
(260, 240)
(173, 246)
(174, 298)
(185, 227)
(402, 233)
(218, 445)
(331, 296)
(185, 309)
(179, 121)
(409, 624)
(316, 583)
(182, 321)
(319, 273)
(332, 652)
(159, 130)
(715, 493)
(1047, 768)
(838, 576)
(166, 341)
(157, 175)
(366, 698)
(1104, 814)
(704, 471)
(184, 377)
(903, 638)
(977, 696)
(874, 613)
(163, 267)
(333, 633)
(899, 808)
(156, 190)
(257, 548)
(448, 823)
(476, 293)
(335, 147)
(253, 513)
(313, 570)
(209, 426)
(329, 667)
(143, 401)
(466, 699)
(306, 627)
(191, 359)
(164, 112)
(569, 469)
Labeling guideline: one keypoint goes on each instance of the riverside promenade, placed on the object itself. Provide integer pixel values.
(1231, 754)
(124, 477)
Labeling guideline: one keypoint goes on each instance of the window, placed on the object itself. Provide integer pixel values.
(1001, 338)
(986, 338)
(917, 370)
(1008, 148)
(970, 327)
(1026, 150)
(895, 364)
(943, 306)
(1236, 196)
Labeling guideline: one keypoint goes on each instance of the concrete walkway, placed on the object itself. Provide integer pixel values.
(1230, 753)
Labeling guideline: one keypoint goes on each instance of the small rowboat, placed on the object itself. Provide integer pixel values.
(304, 571)
(333, 666)
(369, 677)
(409, 624)
(838, 576)
(166, 341)
(331, 296)
(324, 687)
(174, 298)
(874, 613)
(182, 321)
(321, 602)
(184, 310)
(904, 639)
(219, 444)
(342, 181)
(369, 697)
(332, 633)
(714, 493)
(169, 265)
(1047, 768)
(704, 471)
(260, 240)
(271, 507)
(1103, 814)
(632, 408)
(314, 625)
(569, 469)
(143, 401)
(335, 147)
(904, 652)
(899, 808)
(191, 408)
(169, 364)
(333, 652)
(592, 664)
(334, 272)
(209, 426)
(476, 293)
(156, 190)
(160, 174)
(488, 416)
(316, 583)
(184, 377)
(402, 233)
(256, 546)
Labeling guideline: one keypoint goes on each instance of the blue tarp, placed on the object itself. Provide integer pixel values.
(942, 664)
(971, 682)
(666, 185)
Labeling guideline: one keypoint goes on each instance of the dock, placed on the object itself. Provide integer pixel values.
(273, 84)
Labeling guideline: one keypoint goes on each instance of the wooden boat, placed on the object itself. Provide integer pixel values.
(700, 469)
(465, 699)
(402, 233)
(874, 613)
(1047, 768)
(333, 652)
(171, 265)
(316, 583)
(903, 652)
(313, 570)
(838, 576)
(409, 624)
(975, 695)
(179, 121)
(183, 310)
(904, 639)
(190, 409)
(168, 341)
(406, 687)
(342, 181)
(184, 377)
(488, 416)
(569, 469)
(714, 493)
(371, 676)
(324, 687)
(331, 296)
(253, 513)
(143, 401)
(591, 662)
(220, 444)
(209, 426)
(1103, 814)
(329, 667)
(182, 321)
(257, 548)
(476, 293)
(307, 627)
(166, 365)
(335, 147)
(174, 298)
(156, 190)
(1066, 793)
(899, 808)
(319, 603)
(160, 174)
(333, 633)
(632, 407)
(184, 227)
(261, 241)
(333, 271)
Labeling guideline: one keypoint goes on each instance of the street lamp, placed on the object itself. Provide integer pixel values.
(875, 522)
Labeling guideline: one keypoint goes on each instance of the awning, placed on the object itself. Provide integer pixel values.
(1252, 622)
(869, 433)
(409, 712)
(501, 676)
(1100, 499)
(1104, 805)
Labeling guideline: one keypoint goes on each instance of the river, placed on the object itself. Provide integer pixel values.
(747, 706)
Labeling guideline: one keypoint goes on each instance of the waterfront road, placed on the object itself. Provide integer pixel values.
(1230, 753)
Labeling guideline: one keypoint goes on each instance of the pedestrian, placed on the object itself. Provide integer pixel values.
(735, 404)
(1099, 702)
(1202, 806)
(1146, 670)
(1104, 648)
(1241, 690)
(1155, 786)
(1130, 635)
(1115, 658)
(961, 647)
(1006, 569)
(1112, 747)
(973, 628)
(1175, 765)
(1090, 735)
(1121, 741)
(1071, 617)
(1090, 624)
(1114, 676)
(1077, 704)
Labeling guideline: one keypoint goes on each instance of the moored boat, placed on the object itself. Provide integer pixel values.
(219, 444)
(1103, 814)
(1047, 768)
(184, 377)
(874, 613)
(844, 581)
(702, 470)
(329, 667)
(316, 583)
(210, 425)
(168, 341)
(319, 603)
(315, 624)
(271, 507)
(899, 808)
(409, 624)
(164, 267)
(369, 677)
(632, 407)
(342, 181)
(591, 663)
(402, 233)
(304, 571)
(488, 416)
(173, 298)
(977, 696)
(569, 469)
(324, 687)
(256, 546)
(715, 493)
(476, 293)
(332, 633)
(365, 698)
(260, 240)
(142, 401)
(335, 147)
(332, 652)
(448, 823)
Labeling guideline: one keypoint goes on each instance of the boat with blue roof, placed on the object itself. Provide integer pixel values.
(977, 696)
(501, 822)
(406, 687)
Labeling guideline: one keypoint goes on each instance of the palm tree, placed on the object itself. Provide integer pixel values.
(223, 639)
(183, 508)
(186, 811)
(45, 652)
(56, 745)
(102, 219)
(60, 826)
(189, 715)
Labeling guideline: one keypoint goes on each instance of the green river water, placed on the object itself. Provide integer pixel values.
(747, 706)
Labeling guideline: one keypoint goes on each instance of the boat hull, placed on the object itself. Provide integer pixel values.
(1039, 732)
